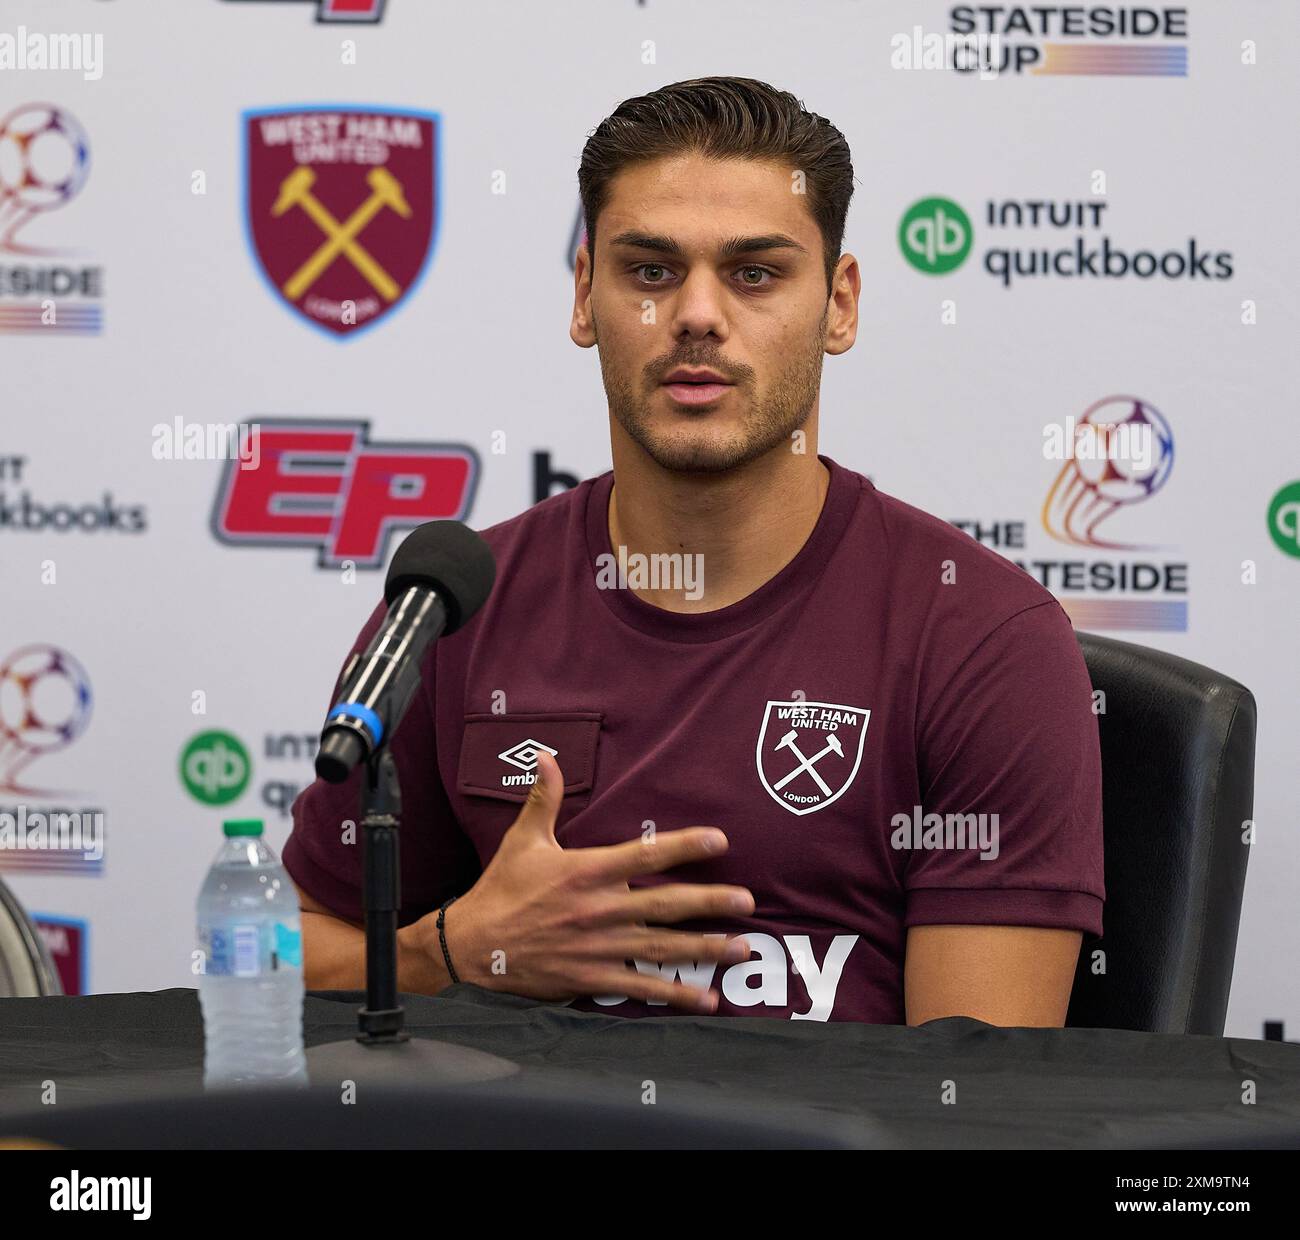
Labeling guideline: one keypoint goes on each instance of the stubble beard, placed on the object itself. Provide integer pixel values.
(768, 422)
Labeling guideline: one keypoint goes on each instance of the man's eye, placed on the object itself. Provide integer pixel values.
(650, 267)
(751, 276)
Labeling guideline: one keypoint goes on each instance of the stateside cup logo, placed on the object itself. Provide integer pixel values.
(809, 752)
(1115, 456)
(44, 165)
(45, 703)
(1119, 453)
(1023, 41)
(341, 208)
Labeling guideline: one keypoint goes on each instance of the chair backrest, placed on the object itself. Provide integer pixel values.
(26, 970)
(1178, 766)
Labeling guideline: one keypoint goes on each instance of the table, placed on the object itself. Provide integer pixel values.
(588, 1078)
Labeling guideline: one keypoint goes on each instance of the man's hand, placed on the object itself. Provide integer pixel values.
(566, 920)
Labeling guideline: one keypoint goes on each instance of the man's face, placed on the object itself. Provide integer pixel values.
(672, 290)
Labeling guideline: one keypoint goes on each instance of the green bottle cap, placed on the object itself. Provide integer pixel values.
(242, 826)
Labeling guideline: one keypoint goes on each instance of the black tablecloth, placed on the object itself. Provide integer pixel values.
(953, 1083)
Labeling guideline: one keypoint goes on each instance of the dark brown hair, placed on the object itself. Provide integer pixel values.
(724, 118)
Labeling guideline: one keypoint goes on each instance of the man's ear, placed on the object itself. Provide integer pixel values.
(582, 327)
(842, 306)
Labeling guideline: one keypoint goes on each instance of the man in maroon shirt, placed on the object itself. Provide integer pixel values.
(887, 728)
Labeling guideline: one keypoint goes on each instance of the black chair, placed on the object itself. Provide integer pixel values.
(26, 970)
(1178, 765)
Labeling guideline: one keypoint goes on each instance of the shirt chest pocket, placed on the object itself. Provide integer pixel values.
(498, 754)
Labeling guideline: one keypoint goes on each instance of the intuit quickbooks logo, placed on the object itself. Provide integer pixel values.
(215, 767)
(24, 512)
(935, 236)
(1284, 519)
(1040, 238)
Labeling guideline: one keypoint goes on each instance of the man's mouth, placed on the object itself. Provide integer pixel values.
(695, 387)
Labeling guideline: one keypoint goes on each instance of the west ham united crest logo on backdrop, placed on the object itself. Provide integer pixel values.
(342, 208)
(809, 752)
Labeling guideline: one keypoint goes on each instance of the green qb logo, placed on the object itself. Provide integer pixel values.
(215, 768)
(935, 236)
(1284, 518)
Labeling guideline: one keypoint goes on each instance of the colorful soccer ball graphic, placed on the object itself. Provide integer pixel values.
(44, 699)
(44, 157)
(1140, 455)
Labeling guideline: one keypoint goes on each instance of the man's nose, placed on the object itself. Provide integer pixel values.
(700, 306)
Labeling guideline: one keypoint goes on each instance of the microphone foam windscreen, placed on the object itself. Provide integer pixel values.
(449, 557)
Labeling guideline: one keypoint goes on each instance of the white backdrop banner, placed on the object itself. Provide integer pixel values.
(351, 223)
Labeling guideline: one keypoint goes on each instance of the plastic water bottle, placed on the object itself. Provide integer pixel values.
(251, 990)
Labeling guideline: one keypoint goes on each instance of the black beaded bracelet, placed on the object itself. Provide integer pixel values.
(442, 938)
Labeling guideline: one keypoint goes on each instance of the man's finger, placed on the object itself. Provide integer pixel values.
(542, 805)
(676, 947)
(670, 902)
(610, 863)
(650, 989)
(666, 903)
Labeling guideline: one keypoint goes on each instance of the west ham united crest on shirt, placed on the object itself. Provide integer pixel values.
(341, 208)
(809, 752)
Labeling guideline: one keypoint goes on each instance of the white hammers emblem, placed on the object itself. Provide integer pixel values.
(806, 764)
(839, 731)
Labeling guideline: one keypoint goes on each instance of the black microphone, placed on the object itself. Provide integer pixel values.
(440, 576)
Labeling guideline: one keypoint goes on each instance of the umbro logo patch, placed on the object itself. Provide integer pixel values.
(524, 756)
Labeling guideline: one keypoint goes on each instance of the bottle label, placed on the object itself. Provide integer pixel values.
(250, 949)
(288, 946)
(246, 942)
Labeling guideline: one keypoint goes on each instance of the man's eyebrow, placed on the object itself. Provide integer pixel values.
(729, 249)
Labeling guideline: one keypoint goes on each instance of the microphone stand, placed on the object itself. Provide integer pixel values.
(382, 1018)
(382, 1050)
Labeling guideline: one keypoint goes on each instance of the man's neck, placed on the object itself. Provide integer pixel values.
(745, 525)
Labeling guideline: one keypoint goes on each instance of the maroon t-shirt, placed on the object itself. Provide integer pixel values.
(895, 730)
